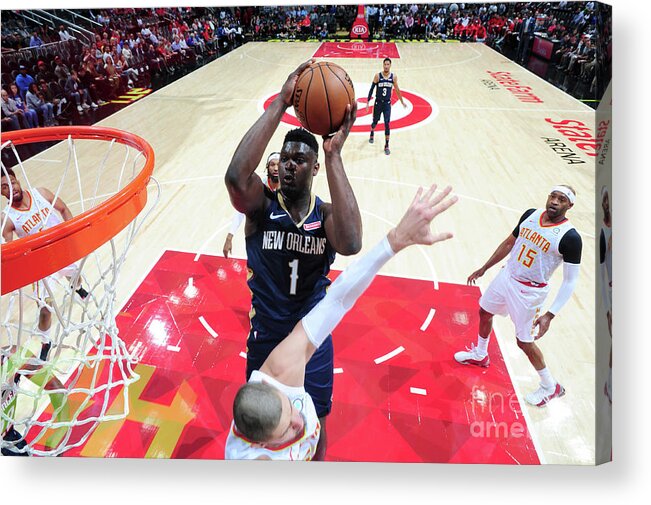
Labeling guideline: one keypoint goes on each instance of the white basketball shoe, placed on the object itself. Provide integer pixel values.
(542, 395)
(472, 357)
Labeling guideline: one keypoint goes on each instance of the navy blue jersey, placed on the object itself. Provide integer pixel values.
(288, 264)
(384, 88)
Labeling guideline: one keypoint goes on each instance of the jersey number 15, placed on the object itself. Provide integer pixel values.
(526, 258)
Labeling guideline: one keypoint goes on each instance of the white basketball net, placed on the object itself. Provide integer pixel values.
(52, 400)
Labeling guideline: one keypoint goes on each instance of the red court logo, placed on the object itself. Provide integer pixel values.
(419, 111)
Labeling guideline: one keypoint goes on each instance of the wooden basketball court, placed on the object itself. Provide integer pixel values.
(494, 131)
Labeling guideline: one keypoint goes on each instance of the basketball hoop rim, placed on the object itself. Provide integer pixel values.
(34, 257)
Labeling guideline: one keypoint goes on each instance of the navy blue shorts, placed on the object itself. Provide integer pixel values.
(318, 372)
(382, 109)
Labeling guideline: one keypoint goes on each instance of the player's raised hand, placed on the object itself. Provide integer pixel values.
(414, 227)
(287, 91)
(472, 278)
(335, 142)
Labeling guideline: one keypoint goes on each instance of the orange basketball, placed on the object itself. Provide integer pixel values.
(320, 97)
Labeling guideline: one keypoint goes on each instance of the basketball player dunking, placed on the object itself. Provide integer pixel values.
(292, 237)
(273, 416)
(385, 82)
(271, 181)
(28, 214)
(542, 240)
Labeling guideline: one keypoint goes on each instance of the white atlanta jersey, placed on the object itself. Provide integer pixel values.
(303, 449)
(38, 217)
(535, 255)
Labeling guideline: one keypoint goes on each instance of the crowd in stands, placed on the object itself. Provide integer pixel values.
(53, 74)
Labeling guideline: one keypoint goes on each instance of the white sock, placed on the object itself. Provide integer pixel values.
(482, 345)
(546, 379)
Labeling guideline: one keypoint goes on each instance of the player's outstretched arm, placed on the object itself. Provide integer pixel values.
(287, 361)
(244, 185)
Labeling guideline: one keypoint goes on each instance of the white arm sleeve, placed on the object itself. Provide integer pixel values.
(344, 292)
(238, 217)
(570, 276)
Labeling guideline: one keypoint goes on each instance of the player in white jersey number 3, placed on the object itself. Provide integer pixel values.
(542, 240)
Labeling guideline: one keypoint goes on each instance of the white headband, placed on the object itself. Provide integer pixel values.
(272, 157)
(565, 191)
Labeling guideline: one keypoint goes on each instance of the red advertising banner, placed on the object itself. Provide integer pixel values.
(360, 26)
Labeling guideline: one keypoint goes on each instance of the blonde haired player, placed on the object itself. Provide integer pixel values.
(542, 240)
(28, 213)
(273, 416)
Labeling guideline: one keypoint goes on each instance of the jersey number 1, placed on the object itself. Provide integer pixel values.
(293, 277)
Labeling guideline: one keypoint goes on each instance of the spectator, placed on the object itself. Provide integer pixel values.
(176, 46)
(61, 70)
(43, 72)
(112, 76)
(127, 54)
(76, 94)
(35, 40)
(130, 74)
(30, 115)
(23, 80)
(63, 34)
(96, 83)
(36, 102)
(11, 110)
(49, 97)
(9, 123)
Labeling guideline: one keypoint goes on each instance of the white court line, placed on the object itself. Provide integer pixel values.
(430, 316)
(338, 370)
(420, 248)
(243, 355)
(173, 348)
(45, 160)
(418, 391)
(207, 327)
(210, 239)
(388, 356)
